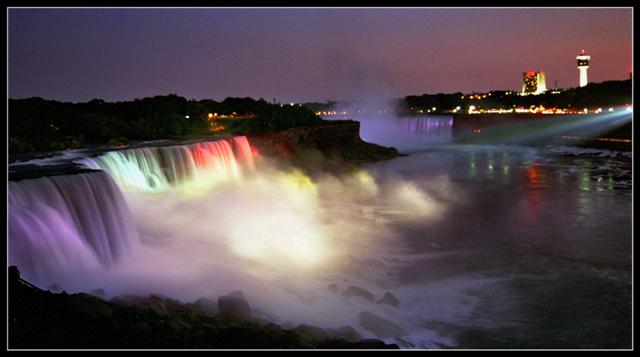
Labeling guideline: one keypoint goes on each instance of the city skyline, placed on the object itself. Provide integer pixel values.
(302, 55)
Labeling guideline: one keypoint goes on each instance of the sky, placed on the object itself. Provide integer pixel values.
(300, 55)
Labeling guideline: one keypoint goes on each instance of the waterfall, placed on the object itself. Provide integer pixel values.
(154, 169)
(66, 223)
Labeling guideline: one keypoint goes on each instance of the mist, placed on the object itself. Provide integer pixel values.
(277, 234)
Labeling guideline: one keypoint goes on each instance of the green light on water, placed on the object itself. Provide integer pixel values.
(584, 182)
(472, 165)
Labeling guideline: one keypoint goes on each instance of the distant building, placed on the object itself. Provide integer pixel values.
(583, 64)
(533, 83)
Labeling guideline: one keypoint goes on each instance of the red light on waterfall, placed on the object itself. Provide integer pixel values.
(255, 151)
(200, 156)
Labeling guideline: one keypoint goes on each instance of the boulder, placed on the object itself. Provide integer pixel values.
(311, 331)
(345, 332)
(389, 299)
(234, 306)
(358, 291)
(371, 343)
(379, 326)
(205, 306)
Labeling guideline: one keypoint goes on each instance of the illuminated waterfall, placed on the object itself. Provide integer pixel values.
(62, 224)
(154, 169)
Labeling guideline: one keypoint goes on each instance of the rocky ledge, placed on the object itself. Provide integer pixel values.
(332, 146)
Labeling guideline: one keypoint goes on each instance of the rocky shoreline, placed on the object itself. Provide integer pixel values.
(42, 319)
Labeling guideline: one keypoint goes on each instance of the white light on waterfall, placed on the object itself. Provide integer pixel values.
(209, 163)
(610, 109)
(433, 108)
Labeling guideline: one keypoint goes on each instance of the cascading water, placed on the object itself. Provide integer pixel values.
(82, 222)
(154, 169)
(67, 223)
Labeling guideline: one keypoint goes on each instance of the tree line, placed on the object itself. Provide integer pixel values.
(37, 124)
(603, 94)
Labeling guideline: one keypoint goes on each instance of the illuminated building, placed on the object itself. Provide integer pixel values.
(583, 64)
(533, 83)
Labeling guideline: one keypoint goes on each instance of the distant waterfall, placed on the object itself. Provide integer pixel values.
(154, 169)
(67, 223)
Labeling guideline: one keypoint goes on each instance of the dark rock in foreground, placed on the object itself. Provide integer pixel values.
(41, 319)
(389, 299)
(347, 332)
(234, 306)
(358, 291)
(379, 326)
(205, 306)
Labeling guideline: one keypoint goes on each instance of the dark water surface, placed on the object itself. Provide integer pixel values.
(532, 248)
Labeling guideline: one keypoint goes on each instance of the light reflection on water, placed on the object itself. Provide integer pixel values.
(547, 225)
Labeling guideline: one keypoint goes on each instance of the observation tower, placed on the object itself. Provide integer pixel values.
(583, 64)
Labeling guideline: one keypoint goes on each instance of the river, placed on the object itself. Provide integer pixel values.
(532, 248)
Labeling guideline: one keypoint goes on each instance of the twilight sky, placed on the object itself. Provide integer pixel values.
(306, 54)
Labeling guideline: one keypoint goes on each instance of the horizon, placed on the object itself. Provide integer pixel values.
(308, 102)
(291, 55)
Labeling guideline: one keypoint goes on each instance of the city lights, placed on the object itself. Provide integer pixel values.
(533, 83)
